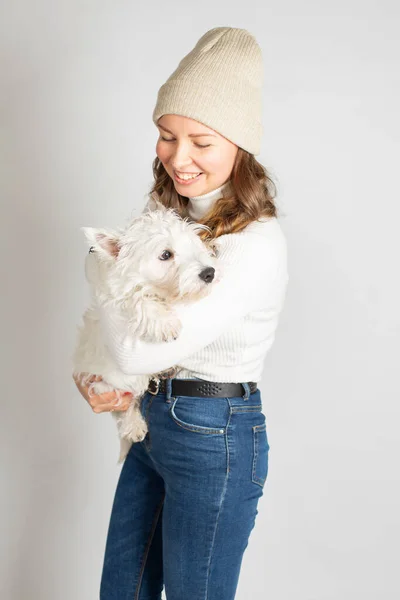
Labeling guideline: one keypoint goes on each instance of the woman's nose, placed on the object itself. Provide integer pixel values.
(180, 157)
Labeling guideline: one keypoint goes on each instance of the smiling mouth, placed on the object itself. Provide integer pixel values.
(188, 177)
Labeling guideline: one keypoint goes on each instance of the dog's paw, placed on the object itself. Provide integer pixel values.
(139, 433)
(171, 330)
(164, 329)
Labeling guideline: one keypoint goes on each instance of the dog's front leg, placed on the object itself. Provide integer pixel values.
(158, 323)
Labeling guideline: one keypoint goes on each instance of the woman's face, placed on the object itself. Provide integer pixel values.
(188, 147)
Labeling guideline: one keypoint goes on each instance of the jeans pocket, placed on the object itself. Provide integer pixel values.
(200, 415)
(260, 454)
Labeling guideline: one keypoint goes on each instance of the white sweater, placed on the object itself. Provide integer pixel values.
(226, 335)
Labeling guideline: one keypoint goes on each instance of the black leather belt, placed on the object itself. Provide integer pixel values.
(195, 387)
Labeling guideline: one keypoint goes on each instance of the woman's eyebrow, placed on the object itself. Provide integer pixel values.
(190, 135)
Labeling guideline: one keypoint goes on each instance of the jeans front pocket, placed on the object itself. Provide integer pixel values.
(260, 454)
(200, 415)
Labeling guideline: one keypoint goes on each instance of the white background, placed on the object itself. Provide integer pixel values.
(79, 81)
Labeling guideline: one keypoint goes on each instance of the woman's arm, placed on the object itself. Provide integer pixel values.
(254, 273)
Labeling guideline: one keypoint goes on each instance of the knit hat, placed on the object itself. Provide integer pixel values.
(219, 84)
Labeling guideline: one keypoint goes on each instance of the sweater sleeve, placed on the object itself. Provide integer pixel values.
(250, 263)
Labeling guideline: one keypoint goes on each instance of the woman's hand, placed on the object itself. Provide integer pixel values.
(106, 402)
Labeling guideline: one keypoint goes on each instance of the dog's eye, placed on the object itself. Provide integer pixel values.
(91, 249)
(166, 255)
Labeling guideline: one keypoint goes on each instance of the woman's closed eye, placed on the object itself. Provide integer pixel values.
(198, 145)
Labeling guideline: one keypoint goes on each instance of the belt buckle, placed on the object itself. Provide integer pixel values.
(157, 384)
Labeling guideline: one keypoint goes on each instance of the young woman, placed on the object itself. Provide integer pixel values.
(187, 495)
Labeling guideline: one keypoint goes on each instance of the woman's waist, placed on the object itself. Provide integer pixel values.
(226, 373)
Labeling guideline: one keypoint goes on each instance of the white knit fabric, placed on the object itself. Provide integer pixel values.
(219, 83)
(225, 336)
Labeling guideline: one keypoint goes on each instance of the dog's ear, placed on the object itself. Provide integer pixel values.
(154, 203)
(104, 241)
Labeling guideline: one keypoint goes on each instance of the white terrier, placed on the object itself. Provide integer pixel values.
(142, 271)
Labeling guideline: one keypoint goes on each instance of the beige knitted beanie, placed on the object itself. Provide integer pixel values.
(219, 84)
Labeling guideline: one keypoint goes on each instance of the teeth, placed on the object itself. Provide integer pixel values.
(186, 177)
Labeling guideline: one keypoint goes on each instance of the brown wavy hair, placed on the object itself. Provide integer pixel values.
(253, 194)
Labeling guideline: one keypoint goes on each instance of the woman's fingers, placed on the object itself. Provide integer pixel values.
(111, 407)
(109, 402)
(106, 402)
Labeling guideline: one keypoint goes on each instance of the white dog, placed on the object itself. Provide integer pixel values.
(157, 261)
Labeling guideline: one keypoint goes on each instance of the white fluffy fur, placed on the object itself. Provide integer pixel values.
(125, 270)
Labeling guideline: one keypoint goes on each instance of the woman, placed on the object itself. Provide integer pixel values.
(187, 495)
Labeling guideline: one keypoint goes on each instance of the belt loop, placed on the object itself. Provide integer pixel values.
(246, 390)
(168, 389)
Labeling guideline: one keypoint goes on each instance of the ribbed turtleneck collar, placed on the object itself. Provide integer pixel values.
(198, 206)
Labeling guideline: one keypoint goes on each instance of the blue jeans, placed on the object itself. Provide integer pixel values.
(186, 499)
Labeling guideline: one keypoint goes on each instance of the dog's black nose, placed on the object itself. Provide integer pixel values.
(207, 274)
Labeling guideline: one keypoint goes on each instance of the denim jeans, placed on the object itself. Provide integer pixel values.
(186, 499)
